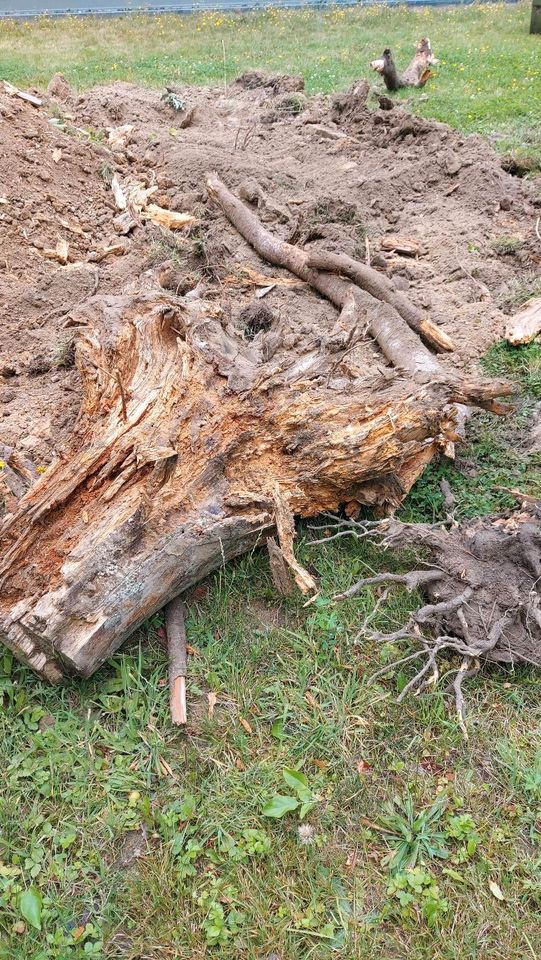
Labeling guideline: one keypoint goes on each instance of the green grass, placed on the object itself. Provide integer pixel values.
(489, 80)
(90, 767)
(496, 454)
(94, 768)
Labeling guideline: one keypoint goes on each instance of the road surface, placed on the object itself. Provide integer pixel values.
(35, 8)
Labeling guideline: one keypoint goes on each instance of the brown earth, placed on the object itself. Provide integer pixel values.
(334, 173)
(213, 416)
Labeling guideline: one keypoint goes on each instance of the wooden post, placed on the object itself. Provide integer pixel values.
(535, 22)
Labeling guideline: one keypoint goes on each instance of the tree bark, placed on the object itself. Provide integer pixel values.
(191, 447)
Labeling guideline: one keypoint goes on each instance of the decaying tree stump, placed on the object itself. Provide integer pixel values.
(193, 444)
(415, 75)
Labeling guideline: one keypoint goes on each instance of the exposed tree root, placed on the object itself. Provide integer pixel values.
(379, 286)
(482, 584)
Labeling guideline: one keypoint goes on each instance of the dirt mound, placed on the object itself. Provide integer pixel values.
(328, 172)
(275, 82)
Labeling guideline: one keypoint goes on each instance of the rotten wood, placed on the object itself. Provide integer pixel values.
(279, 569)
(16, 471)
(193, 444)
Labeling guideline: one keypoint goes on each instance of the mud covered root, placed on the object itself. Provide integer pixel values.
(481, 580)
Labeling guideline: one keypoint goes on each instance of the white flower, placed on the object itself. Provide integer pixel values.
(306, 833)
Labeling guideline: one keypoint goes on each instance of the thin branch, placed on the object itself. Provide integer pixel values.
(176, 644)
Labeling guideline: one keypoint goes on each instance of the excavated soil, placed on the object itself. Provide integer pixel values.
(327, 173)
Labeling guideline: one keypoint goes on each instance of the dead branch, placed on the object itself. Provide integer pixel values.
(176, 645)
(399, 344)
(397, 340)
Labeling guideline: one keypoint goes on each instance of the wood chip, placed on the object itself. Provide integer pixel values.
(116, 250)
(60, 252)
(406, 246)
(118, 194)
(525, 325)
(118, 137)
(14, 91)
(263, 291)
(168, 218)
(72, 227)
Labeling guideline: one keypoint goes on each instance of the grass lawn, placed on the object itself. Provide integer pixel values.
(280, 702)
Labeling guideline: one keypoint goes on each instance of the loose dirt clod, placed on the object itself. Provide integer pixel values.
(196, 438)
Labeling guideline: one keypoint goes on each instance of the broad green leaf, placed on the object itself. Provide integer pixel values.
(277, 730)
(30, 906)
(297, 781)
(279, 805)
(306, 807)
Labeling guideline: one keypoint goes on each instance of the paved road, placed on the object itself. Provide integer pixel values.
(36, 8)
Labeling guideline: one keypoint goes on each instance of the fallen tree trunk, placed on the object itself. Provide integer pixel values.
(192, 446)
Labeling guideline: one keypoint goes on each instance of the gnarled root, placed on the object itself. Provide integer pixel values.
(482, 586)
